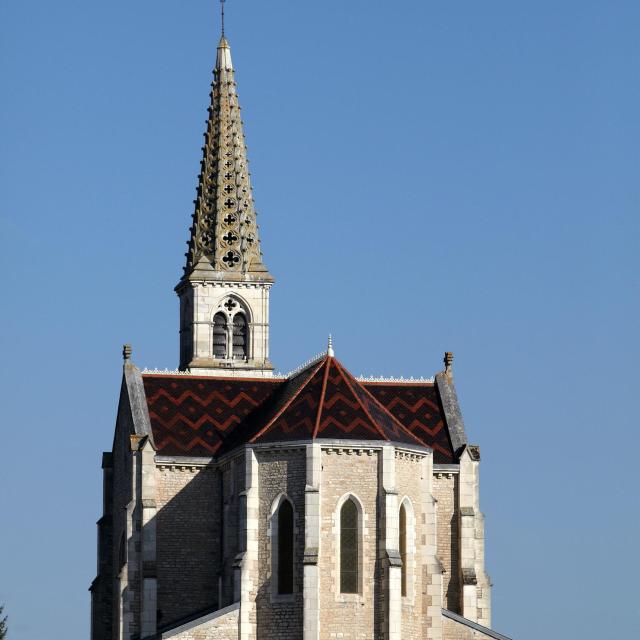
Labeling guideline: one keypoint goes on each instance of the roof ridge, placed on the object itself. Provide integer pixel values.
(286, 405)
(376, 426)
(323, 393)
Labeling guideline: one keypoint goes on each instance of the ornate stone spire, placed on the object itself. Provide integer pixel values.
(224, 233)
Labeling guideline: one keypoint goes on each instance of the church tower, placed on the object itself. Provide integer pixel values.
(224, 292)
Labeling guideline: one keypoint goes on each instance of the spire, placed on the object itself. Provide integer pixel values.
(224, 233)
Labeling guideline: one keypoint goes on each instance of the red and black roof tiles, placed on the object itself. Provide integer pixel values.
(205, 416)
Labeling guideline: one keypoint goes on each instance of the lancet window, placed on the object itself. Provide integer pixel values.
(219, 336)
(239, 336)
(403, 549)
(349, 547)
(122, 551)
(285, 548)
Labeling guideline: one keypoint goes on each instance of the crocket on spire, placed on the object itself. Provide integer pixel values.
(224, 233)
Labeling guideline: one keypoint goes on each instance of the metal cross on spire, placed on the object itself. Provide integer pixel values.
(222, 16)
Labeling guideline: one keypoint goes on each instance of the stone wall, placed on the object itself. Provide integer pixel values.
(124, 534)
(188, 539)
(409, 487)
(231, 474)
(221, 625)
(445, 487)
(349, 616)
(281, 472)
(102, 587)
(454, 630)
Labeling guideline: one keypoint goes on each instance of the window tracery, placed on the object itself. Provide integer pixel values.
(230, 330)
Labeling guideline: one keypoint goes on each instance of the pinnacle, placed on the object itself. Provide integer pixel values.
(223, 59)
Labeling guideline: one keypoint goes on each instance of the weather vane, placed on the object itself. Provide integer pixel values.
(222, 15)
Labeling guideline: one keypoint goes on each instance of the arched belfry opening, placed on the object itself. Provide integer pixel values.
(240, 336)
(220, 335)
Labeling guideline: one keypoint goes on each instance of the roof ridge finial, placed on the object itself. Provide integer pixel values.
(448, 363)
(330, 351)
(222, 17)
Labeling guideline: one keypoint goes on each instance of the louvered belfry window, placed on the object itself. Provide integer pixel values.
(403, 549)
(239, 336)
(219, 336)
(349, 547)
(285, 548)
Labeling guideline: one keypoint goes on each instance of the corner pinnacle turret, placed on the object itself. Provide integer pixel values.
(224, 234)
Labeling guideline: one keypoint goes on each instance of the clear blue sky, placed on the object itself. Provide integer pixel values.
(429, 176)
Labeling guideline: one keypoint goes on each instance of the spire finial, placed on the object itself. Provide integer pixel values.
(126, 352)
(330, 351)
(222, 16)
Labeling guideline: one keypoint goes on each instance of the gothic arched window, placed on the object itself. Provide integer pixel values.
(219, 336)
(239, 336)
(403, 549)
(349, 553)
(285, 548)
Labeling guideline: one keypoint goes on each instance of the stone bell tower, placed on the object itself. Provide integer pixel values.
(224, 292)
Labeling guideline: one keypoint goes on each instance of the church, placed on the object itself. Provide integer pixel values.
(243, 505)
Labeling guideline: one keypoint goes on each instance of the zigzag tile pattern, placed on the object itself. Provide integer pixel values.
(417, 407)
(196, 416)
(330, 403)
(342, 415)
(294, 416)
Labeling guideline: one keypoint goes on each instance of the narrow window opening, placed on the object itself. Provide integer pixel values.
(349, 547)
(122, 551)
(285, 548)
(239, 336)
(403, 548)
(219, 336)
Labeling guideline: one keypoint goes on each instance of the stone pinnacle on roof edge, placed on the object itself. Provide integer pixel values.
(224, 232)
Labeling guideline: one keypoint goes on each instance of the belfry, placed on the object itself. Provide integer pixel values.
(243, 505)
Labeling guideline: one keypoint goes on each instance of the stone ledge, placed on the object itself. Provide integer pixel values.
(186, 626)
(490, 633)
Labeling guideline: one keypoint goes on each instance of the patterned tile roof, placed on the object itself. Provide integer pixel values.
(417, 406)
(205, 416)
(331, 403)
(195, 416)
